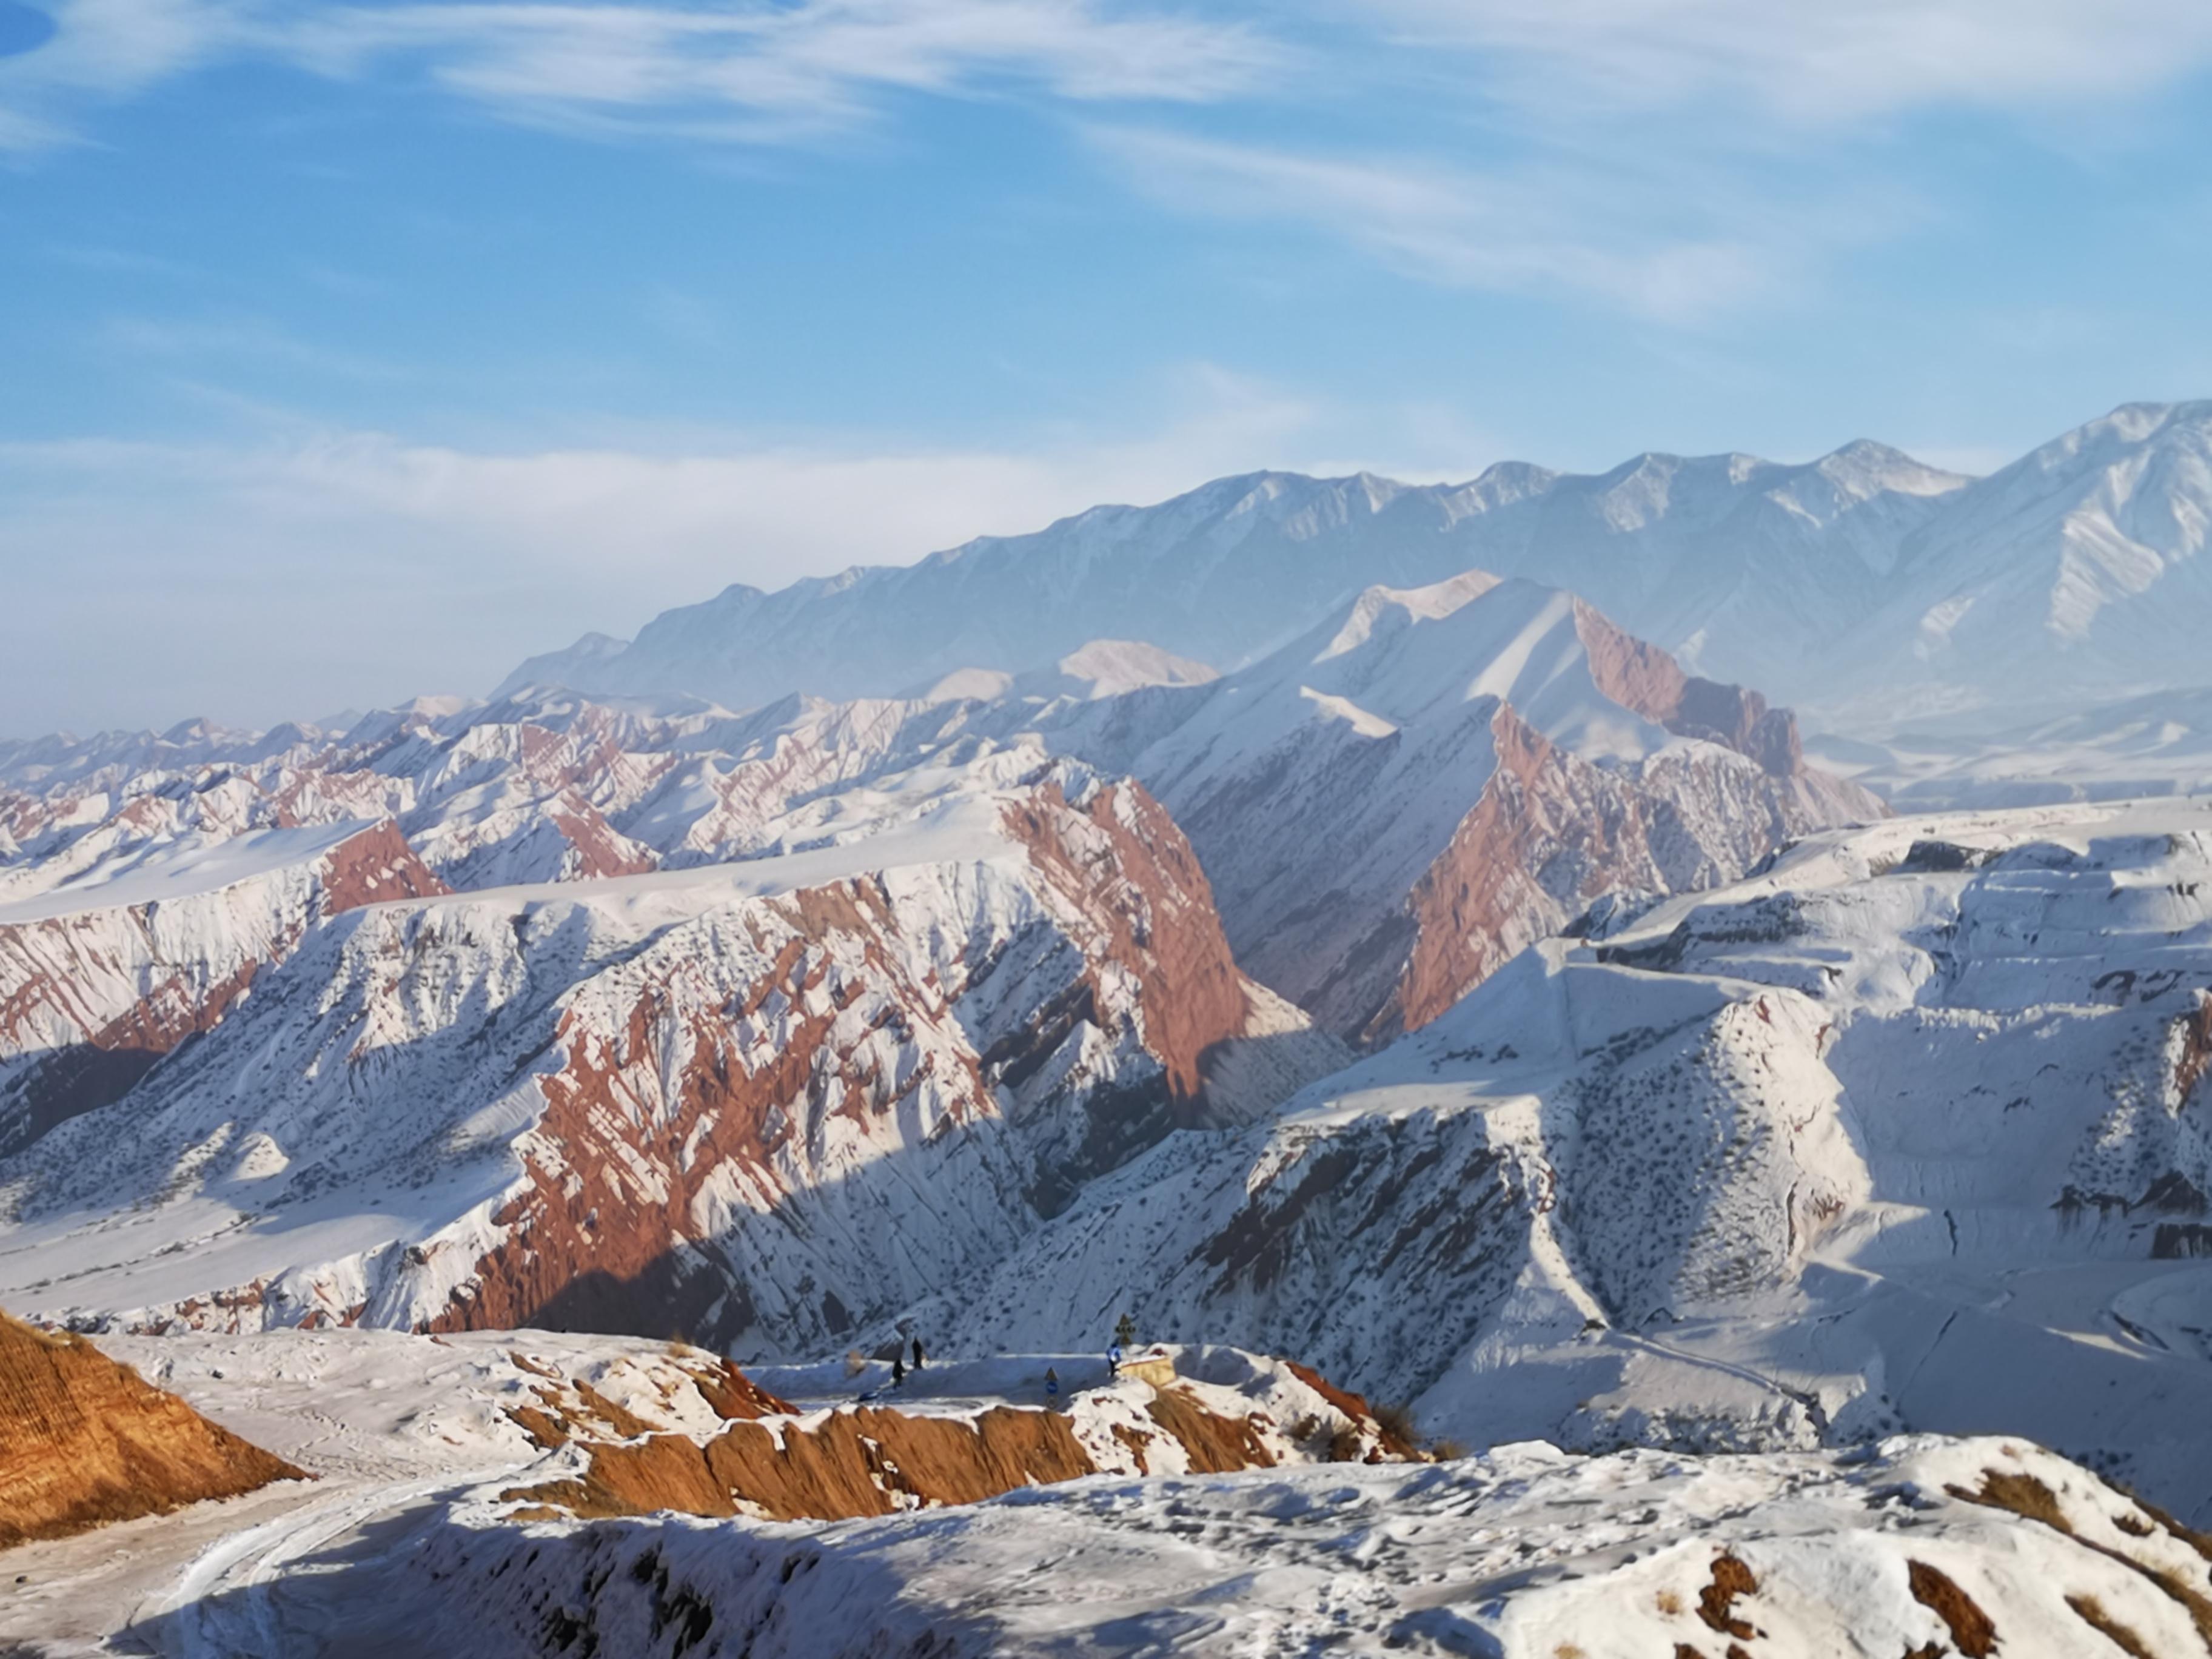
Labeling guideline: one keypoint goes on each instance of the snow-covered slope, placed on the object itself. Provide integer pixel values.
(1927, 1547)
(2159, 744)
(1911, 1130)
(100, 980)
(1920, 1547)
(1211, 1525)
(2072, 574)
(761, 1102)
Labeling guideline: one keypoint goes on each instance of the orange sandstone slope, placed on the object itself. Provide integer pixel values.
(84, 1440)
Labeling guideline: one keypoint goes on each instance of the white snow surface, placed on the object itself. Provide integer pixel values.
(406, 1543)
(404, 1434)
(1910, 1131)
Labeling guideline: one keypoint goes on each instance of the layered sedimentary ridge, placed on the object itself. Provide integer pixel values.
(766, 1101)
(83, 1441)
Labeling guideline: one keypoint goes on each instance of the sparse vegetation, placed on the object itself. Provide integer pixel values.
(1396, 1419)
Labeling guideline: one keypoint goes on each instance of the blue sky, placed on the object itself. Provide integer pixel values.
(351, 351)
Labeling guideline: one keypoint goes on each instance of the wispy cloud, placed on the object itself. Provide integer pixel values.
(1642, 243)
(755, 71)
(223, 341)
(1817, 62)
(1676, 159)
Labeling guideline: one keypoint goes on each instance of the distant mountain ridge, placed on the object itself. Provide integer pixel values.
(1866, 582)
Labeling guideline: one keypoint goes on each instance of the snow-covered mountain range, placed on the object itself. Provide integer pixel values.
(1431, 979)
(767, 1027)
(1865, 586)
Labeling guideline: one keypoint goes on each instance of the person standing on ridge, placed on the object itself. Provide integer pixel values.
(898, 1371)
(917, 1354)
(1051, 1382)
(1113, 1359)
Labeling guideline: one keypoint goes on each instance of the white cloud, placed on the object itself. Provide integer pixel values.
(1815, 61)
(149, 581)
(749, 70)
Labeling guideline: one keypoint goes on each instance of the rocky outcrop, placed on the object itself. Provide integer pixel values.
(870, 1459)
(1639, 676)
(856, 1462)
(1547, 836)
(1122, 863)
(84, 1441)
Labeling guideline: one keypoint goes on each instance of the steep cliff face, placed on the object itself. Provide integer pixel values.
(761, 1102)
(1120, 862)
(84, 1441)
(97, 985)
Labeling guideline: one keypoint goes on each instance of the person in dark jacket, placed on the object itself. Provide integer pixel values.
(898, 1370)
(917, 1354)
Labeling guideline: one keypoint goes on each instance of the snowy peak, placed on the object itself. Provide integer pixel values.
(1108, 668)
(1403, 607)
(1229, 571)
